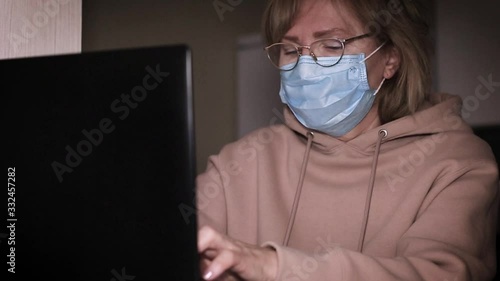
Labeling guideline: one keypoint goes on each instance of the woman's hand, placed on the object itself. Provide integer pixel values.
(223, 258)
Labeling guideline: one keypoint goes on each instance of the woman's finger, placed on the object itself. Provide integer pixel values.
(222, 263)
(208, 238)
(227, 259)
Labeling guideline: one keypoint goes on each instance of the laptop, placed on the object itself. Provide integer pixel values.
(99, 158)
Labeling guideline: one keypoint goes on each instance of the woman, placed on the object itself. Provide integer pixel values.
(371, 178)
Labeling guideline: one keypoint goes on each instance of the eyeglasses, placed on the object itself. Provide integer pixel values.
(285, 56)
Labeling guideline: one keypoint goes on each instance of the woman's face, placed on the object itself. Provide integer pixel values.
(319, 19)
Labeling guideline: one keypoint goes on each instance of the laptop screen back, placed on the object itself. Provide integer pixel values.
(100, 151)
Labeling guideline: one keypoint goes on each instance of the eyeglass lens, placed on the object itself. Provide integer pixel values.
(286, 55)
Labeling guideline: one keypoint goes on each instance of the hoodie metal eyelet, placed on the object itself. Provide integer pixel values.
(383, 132)
(309, 133)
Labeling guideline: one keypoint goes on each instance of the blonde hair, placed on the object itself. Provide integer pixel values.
(399, 22)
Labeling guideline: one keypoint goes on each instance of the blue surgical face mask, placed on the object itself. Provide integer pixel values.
(332, 100)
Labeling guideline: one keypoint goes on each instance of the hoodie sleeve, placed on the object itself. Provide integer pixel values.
(452, 238)
(210, 197)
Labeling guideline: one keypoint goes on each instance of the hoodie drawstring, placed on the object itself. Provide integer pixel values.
(291, 220)
(381, 135)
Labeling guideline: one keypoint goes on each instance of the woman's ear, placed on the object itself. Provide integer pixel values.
(393, 57)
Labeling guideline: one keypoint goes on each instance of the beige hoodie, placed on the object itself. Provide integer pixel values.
(414, 199)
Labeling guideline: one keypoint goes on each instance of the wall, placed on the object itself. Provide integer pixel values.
(258, 82)
(212, 36)
(467, 56)
(39, 27)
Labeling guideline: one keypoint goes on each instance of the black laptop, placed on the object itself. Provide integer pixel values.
(98, 152)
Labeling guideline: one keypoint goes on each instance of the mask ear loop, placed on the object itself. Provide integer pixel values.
(383, 79)
(379, 86)
(376, 50)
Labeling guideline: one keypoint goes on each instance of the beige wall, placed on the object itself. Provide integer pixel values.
(212, 36)
(39, 27)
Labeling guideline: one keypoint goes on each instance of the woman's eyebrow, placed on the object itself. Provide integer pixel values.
(317, 34)
(328, 32)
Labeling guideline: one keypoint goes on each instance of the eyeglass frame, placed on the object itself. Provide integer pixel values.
(299, 48)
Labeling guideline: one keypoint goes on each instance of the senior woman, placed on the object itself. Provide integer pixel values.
(371, 177)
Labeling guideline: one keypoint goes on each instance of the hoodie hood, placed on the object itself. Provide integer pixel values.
(440, 113)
